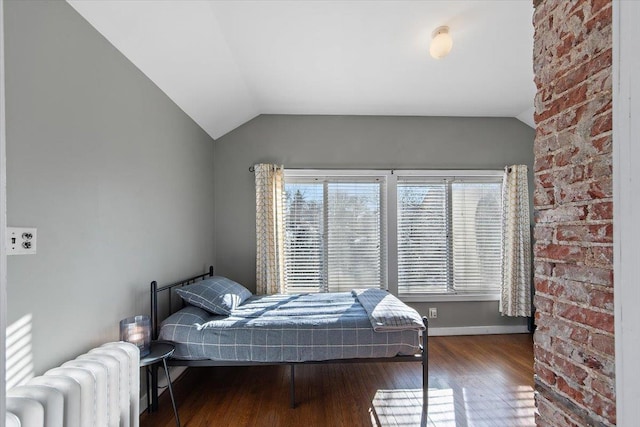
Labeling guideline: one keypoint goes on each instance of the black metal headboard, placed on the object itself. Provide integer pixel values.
(155, 290)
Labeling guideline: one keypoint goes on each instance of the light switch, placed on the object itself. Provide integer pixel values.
(21, 240)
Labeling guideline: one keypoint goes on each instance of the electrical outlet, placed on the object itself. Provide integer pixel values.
(21, 240)
(433, 313)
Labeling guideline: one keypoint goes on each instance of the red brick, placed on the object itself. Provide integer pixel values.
(572, 371)
(603, 144)
(601, 21)
(595, 233)
(601, 255)
(561, 329)
(561, 252)
(603, 407)
(601, 189)
(544, 180)
(600, 211)
(561, 214)
(543, 355)
(561, 50)
(543, 304)
(600, 166)
(595, 319)
(581, 273)
(541, 285)
(580, 74)
(543, 198)
(545, 145)
(543, 163)
(565, 157)
(543, 268)
(577, 292)
(551, 416)
(572, 392)
(604, 388)
(597, 5)
(601, 299)
(542, 234)
(601, 125)
(603, 343)
(545, 374)
(578, 192)
(585, 191)
(579, 334)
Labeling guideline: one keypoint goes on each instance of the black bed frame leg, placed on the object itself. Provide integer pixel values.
(292, 389)
(425, 366)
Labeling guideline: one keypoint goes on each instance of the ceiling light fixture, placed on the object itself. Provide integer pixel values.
(441, 42)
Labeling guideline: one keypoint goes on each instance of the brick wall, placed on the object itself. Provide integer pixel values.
(574, 342)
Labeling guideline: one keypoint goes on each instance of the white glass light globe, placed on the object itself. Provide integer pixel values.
(441, 43)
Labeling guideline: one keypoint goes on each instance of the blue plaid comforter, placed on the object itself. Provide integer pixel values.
(286, 328)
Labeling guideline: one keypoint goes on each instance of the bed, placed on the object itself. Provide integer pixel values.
(348, 327)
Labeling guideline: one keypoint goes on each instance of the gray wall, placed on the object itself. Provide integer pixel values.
(117, 179)
(356, 142)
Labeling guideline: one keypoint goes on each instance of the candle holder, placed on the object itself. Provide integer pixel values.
(137, 330)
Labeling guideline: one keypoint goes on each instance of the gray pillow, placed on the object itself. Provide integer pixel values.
(217, 295)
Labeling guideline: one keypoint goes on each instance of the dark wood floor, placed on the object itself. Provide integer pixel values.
(473, 381)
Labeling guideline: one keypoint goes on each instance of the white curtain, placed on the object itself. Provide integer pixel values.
(516, 244)
(269, 229)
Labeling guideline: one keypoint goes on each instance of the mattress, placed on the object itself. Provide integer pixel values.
(285, 328)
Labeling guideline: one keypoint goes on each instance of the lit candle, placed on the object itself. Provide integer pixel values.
(137, 331)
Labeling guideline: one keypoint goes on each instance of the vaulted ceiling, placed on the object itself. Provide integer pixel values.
(225, 62)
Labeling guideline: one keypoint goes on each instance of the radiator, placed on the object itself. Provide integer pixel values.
(98, 389)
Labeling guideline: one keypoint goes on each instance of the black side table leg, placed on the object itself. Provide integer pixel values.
(148, 378)
(173, 401)
(154, 388)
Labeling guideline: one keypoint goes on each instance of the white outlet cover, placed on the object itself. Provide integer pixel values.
(21, 240)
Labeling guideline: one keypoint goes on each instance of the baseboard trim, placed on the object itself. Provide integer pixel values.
(175, 372)
(478, 330)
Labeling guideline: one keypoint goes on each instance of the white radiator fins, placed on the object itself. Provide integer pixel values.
(30, 412)
(98, 389)
(12, 420)
(87, 382)
(133, 352)
(112, 366)
(123, 361)
(51, 400)
(70, 390)
(99, 372)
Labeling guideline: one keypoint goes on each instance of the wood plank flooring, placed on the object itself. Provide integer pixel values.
(473, 381)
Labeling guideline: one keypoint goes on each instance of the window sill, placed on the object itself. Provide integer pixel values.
(449, 297)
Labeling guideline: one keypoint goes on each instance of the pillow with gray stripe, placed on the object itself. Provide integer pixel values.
(217, 295)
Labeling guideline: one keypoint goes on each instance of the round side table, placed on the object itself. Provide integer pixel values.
(160, 352)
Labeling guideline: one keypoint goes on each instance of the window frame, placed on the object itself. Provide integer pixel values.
(392, 268)
(389, 258)
(383, 176)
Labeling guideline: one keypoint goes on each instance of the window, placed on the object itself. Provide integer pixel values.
(449, 235)
(444, 231)
(334, 232)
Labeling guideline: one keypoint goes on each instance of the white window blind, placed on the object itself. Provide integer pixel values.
(449, 235)
(334, 233)
(304, 230)
(423, 247)
(476, 209)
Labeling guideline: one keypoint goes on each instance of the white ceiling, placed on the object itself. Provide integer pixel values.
(225, 62)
